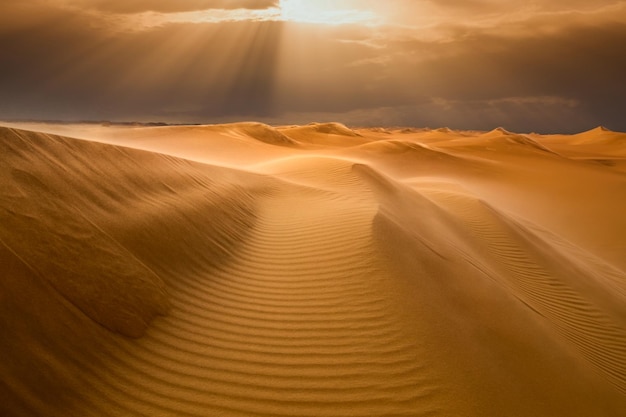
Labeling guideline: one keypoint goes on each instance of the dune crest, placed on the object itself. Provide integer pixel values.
(332, 128)
(264, 133)
(244, 269)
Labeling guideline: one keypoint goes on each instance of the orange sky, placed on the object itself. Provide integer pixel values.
(526, 65)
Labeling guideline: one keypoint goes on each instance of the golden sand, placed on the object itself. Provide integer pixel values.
(249, 270)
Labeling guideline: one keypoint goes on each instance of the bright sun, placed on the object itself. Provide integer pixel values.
(321, 11)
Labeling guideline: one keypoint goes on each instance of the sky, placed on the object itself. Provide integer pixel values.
(541, 66)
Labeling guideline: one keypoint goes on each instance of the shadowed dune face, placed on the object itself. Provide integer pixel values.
(310, 270)
(88, 206)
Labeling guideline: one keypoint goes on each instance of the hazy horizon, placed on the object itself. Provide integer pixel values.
(49, 124)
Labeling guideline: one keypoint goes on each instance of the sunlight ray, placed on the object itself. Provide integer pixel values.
(323, 12)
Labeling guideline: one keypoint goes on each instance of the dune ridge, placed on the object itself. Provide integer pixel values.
(251, 270)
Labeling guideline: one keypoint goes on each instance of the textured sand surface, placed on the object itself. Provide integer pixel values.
(249, 270)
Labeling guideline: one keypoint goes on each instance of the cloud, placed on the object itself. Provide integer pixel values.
(171, 6)
(80, 71)
(520, 76)
(549, 68)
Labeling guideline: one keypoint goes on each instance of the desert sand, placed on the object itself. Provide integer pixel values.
(318, 270)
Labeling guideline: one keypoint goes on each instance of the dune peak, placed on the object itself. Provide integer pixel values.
(264, 133)
(599, 129)
(333, 128)
(499, 131)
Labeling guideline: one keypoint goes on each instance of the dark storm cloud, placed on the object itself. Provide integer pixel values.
(68, 63)
(72, 69)
(483, 77)
(581, 63)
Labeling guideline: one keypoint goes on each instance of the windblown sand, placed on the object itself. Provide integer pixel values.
(249, 270)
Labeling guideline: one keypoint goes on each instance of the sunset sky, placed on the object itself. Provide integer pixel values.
(542, 65)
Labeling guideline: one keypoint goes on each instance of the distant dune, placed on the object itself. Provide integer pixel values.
(318, 270)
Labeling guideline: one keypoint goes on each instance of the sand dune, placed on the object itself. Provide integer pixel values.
(251, 270)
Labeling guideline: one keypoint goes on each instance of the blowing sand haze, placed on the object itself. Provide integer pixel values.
(250, 270)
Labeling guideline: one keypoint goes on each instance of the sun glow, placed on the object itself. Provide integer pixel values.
(322, 11)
